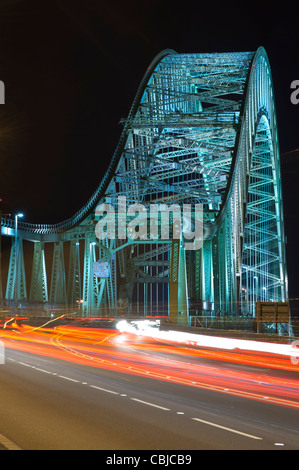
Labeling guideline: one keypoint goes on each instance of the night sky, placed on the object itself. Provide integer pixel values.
(71, 70)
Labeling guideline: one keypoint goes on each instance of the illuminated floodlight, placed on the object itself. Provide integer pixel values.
(20, 214)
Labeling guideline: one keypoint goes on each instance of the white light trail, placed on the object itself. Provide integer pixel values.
(150, 328)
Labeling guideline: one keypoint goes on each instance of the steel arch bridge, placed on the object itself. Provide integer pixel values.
(201, 131)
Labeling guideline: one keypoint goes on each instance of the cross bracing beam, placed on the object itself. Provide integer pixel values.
(172, 160)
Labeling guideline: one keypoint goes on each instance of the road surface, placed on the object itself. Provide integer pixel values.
(98, 388)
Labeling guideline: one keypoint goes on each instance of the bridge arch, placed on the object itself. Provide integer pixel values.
(193, 136)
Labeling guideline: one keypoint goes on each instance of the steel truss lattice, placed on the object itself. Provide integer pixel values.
(202, 130)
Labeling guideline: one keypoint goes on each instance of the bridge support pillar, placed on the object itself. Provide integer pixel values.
(58, 284)
(178, 296)
(16, 280)
(74, 293)
(38, 287)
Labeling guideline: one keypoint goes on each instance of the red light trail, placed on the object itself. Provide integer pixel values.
(164, 360)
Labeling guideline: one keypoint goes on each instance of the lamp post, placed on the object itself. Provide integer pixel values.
(1, 215)
(16, 253)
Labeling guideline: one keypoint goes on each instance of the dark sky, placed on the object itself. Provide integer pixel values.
(71, 69)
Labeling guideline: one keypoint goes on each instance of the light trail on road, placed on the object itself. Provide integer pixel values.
(261, 378)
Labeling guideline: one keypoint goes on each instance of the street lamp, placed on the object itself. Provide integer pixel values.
(19, 215)
(16, 225)
(1, 215)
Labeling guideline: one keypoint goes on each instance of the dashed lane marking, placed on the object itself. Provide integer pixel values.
(68, 378)
(12, 446)
(104, 390)
(150, 404)
(227, 429)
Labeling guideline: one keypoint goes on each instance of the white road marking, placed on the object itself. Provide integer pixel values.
(151, 404)
(104, 390)
(43, 370)
(227, 429)
(10, 445)
(68, 378)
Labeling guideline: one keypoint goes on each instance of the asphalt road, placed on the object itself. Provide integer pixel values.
(52, 403)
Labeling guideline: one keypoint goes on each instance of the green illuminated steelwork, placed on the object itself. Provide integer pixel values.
(201, 130)
(74, 288)
(263, 269)
(58, 281)
(16, 280)
(39, 288)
